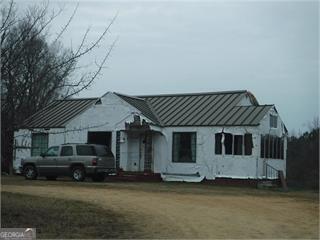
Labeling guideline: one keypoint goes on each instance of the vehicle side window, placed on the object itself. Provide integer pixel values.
(66, 151)
(103, 151)
(85, 150)
(52, 152)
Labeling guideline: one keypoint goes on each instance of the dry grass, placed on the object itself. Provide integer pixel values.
(180, 210)
(57, 218)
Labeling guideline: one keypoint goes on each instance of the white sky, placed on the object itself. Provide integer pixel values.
(268, 48)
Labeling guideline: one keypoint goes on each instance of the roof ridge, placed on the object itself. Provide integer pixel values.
(76, 99)
(153, 112)
(129, 96)
(192, 94)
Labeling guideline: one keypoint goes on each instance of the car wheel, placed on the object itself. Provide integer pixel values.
(51, 178)
(78, 174)
(99, 177)
(30, 172)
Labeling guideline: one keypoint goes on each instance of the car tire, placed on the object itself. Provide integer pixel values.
(51, 178)
(99, 177)
(78, 174)
(30, 172)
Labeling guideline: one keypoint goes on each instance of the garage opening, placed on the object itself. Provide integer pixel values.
(103, 138)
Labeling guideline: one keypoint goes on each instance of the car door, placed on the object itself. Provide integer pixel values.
(64, 160)
(46, 164)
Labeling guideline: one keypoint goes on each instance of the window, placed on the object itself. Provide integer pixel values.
(275, 147)
(237, 150)
(218, 144)
(184, 147)
(262, 146)
(281, 149)
(66, 151)
(52, 151)
(233, 144)
(248, 144)
(39, 143)
(228, 143)
(272, 147)
(85, 150)
(273, 121)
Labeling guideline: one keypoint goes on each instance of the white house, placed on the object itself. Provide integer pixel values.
(180, 136)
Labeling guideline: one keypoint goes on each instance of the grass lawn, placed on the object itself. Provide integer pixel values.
(56, 218)
(167, 187)
(66, 209)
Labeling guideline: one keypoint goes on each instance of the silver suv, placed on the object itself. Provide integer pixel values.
(75, 160)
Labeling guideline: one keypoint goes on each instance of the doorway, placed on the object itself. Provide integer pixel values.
(136, 152)
(103, 138)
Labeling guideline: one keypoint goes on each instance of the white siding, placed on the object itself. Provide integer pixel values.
(207, 163)
(279, 164)
(112, 114)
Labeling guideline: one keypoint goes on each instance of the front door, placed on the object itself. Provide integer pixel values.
(136, 149)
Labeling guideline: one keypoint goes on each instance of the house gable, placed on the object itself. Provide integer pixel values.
(141, 105)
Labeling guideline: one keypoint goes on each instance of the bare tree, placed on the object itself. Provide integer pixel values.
(34, 70)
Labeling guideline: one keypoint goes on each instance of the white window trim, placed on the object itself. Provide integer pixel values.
(273, 116)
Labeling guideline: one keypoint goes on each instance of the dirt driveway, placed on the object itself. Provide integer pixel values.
(164, 210)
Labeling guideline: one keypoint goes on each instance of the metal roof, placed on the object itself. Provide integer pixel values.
(58, 113)
(206, 109)
(191, 109)
(141, 105)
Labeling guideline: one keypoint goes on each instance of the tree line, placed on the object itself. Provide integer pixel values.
(37, 68)
(303, 159)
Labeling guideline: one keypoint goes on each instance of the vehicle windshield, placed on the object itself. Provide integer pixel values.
(85, 150)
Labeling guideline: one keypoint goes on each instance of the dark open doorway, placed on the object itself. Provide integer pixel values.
(103, 138)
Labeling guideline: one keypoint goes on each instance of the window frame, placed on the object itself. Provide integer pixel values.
(45, 153)
(66, 146)
(218, 149)
(195, 147)
(78, 146)
(44, 142)
(272, 147)
(273, 121)
(241, 143)
(247, 144)
(230, 138)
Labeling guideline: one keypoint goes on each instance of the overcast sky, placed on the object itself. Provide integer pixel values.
(268, 48)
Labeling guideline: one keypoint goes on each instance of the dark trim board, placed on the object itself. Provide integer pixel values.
(237, 182)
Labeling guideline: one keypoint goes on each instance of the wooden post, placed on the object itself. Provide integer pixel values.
(283, 181)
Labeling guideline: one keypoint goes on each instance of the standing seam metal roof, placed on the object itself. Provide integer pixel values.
(193, 109)
(58, 113)
(206, 109)
(141, 105)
